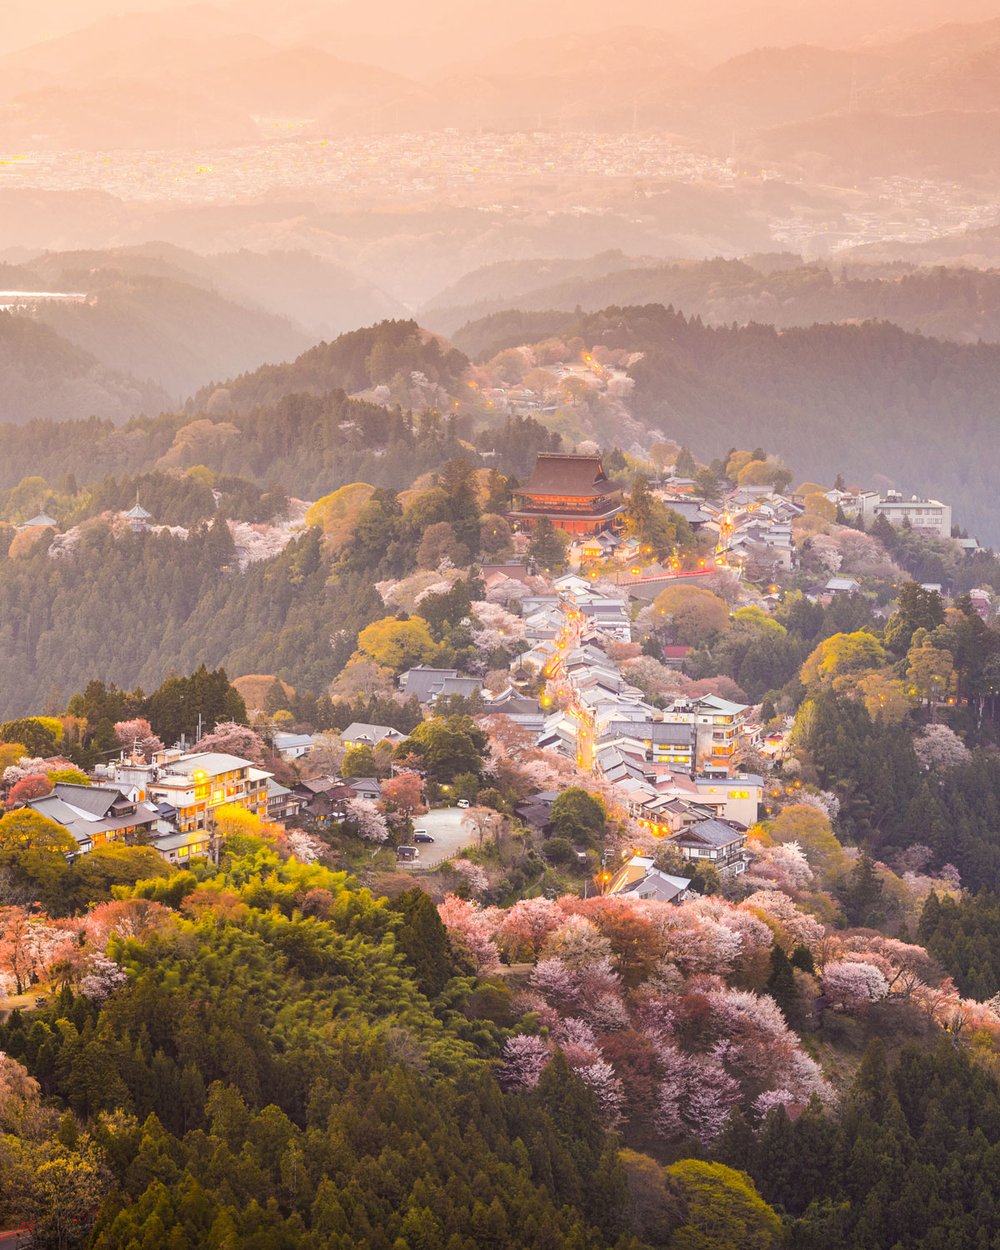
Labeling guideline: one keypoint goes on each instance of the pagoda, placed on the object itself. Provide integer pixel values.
(571, 491)
(138, 518)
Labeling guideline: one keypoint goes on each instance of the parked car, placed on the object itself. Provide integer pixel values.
(462, 803)
(422, 835)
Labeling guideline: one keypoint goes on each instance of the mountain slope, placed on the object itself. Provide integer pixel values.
(44, 376)
(158, 315)
(352, 362)
(119, 113)
(862, 400)
(959, 304)
(179, 335)
(944, 145)
(324, 298)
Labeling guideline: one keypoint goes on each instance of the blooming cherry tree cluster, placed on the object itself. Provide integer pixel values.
(103, 978)
(233, 739)
(124, 918)
(367, 819)
(796, 927)
(635, 996)
(524, 1060)
(471, 930)
(782, 867)
(475, 878)
(138, 734)
(851, 985)
(304, 846)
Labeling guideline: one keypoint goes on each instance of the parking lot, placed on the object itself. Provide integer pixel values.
(450, 835)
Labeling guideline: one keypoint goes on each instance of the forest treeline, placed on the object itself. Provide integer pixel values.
(100, 601)
(134, 608)
(291, 428)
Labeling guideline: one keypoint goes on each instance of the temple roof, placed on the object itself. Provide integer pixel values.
(572, 476)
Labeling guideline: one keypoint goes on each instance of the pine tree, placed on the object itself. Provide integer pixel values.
(781, 982)
(547, 548)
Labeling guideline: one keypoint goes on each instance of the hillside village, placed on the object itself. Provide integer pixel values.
(613, 799)
(499, 625)
(602, 606)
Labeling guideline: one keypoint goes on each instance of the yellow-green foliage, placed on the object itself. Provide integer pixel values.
(397, 645)
(337, 514)
(724, 1210)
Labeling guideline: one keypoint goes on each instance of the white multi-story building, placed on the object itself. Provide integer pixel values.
(188, 788)
(929, 516)
(719, 727)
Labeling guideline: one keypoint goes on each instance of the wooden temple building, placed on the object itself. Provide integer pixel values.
(573, 492)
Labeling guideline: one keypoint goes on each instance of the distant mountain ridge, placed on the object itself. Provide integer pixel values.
(159, 326)
(42, 376)
(959, 304)
(182, 320)
(210, 75)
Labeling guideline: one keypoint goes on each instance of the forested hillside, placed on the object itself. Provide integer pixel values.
(353, 362)
(178, 335)
(859, 400)
(960, 304)
(134, 608)
(98, 600)
(42, 375)
(286, 1067)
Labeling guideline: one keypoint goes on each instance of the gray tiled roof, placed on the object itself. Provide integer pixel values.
(713, 832)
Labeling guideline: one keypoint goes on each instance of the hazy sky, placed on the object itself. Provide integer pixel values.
(722, 26)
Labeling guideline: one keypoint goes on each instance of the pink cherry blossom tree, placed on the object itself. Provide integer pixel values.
(524, 1060)
(475, 878)
(102, 979)
(853, 986)
(124, 918)
(367, 819)
(557, 984)
(232, 739)
(578, 943)
(695, 1097)
(600, 1076)
(138, 733)
(524, 927)
(795, 926)
(470, 930)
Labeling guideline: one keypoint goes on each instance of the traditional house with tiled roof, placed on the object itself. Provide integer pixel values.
(639, 878)
(95, 815)
(720, 843)
(40, 522)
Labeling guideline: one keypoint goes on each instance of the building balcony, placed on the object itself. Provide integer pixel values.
(578, 509)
